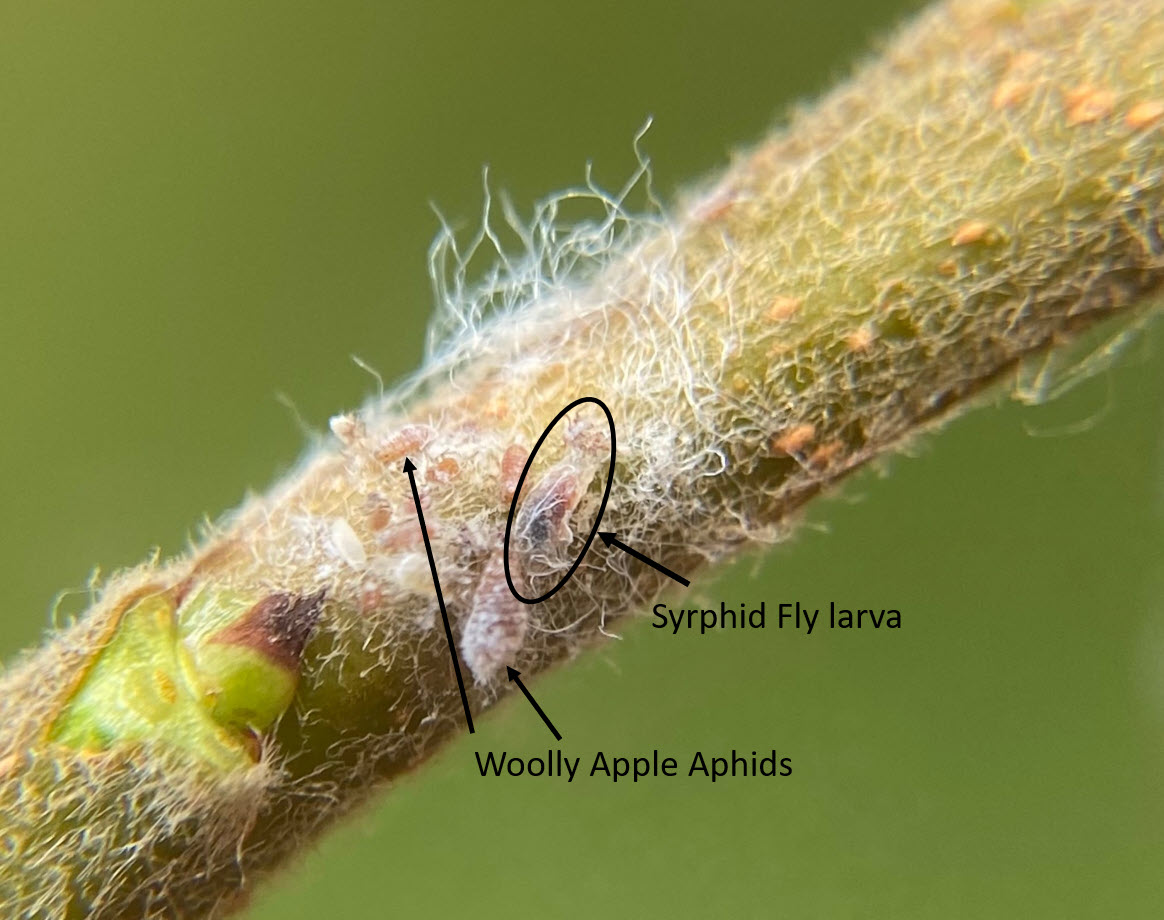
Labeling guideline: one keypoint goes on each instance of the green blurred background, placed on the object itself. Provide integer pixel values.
(204, 204)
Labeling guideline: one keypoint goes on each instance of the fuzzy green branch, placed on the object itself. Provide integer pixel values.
(987, 189)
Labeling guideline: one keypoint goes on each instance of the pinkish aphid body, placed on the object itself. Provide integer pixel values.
(511, 463)
(403, 441)
(495, 630)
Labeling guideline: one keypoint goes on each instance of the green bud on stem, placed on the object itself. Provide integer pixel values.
(209, 693)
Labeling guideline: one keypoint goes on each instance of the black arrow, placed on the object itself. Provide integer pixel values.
(409, 468)
(609, 539)
(513, 676)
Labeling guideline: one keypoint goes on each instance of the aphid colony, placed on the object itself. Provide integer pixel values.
(543, 532)
(545, 538)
